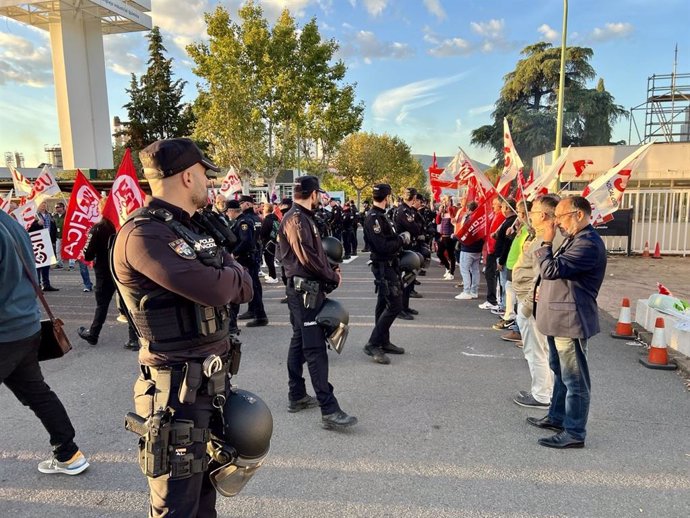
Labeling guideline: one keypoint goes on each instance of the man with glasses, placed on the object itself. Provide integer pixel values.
(567, 313)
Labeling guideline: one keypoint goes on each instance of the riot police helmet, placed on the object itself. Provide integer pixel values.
(409, 261)
(334, 318)
(334, 249)
(239, 442)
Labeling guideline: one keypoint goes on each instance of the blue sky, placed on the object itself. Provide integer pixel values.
(428, 71)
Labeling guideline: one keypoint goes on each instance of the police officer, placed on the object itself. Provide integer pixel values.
(385, 245)
(407, 219)
(349, 231)
(176, 283)
(336, 219)
(232, 213)
(310, 277)
(248, 254)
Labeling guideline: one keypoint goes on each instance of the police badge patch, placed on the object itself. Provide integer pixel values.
(244, 227)
(182, 249)
(377, 227)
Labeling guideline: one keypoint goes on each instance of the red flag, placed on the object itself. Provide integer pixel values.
(480, 222)
(278, 212)
(580, 166)
(126, 196)
(82, 213)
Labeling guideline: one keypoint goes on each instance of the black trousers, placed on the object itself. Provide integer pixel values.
(104, 291)
(349, 242)
(308, 344)
(389, 303)
(270, 259)
(44, 276)
(446, 246)
(490, 276)
(20, 371)
(193, 497)
(256, 305)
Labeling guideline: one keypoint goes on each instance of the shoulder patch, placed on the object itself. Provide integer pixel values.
(244, 226)
(410, 217)
(182, 249)
(377, 227)
(315, 229)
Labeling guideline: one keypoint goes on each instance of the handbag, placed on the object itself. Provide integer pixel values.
(54, 341)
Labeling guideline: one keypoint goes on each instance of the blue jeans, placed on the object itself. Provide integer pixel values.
(85, 277)
(571, 387)
(469, 269)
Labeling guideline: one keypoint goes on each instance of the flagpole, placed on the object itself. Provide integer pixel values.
(561, 88)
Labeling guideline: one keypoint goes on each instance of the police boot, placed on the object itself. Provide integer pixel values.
(415, 295)
(421, 273)
(258, 322)
(247, 315)
(392, 349)
(404, 315)
(377, 354)
(87, 335)
(132, 345)
(337, 420)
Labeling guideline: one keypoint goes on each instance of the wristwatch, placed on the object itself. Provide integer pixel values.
(546, 243)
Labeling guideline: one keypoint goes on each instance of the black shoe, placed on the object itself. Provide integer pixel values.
(338, 420)
(415, 295)
(258, 322)
(346, 257)
(416, 282)
(283, 300)
(365, 250)
(247, 315)
(421, 273)
(354, 254)
(377, 354)
(50, 288)
(86, 335)
(412, 311)
(545, 422)
(132, 345)
(392, 349)
(404, 315)
(302, 404)
(561, 441)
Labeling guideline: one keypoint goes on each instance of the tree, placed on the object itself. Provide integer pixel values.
(268, 92)
(365, 159)
(528, 100)
(156, 110)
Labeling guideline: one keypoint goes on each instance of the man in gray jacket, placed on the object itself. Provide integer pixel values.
(567, 313)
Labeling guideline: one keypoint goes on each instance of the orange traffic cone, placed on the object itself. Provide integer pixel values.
(658, 357)
(645, 251)
(657, 251)
(624, 328)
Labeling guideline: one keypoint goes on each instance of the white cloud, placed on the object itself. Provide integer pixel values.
(375, 7)
(548, 33)
(493, 29)
(479, 110)
(458, 124)
(611, 31)
(435, 8)
(125, 53)
(24, 62)
(366, 45)
(452, 47)
(398, 103)
(430, 36)
(183, 22)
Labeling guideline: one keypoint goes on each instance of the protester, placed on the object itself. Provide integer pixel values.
(495, 220)
(446, 242)
(470, 258)
(59, 218)
(269, 234)
(42, 221)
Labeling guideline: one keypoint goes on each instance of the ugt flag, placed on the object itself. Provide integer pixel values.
(44, 187)
(82, 214)
(22, 186)
(512, 162)
(231, 183)
(126, 196)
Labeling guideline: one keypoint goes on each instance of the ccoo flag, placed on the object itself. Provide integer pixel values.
(126, 196)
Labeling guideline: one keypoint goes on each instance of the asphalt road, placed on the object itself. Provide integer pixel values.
(438, 436)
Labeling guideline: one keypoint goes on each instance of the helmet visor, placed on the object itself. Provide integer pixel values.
(338, 337)
(230, 479)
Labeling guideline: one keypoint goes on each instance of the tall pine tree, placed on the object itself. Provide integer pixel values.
(156, 110)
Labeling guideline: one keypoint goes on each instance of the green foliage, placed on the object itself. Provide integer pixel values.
(266, 92)
(155, 109)
(529, 97)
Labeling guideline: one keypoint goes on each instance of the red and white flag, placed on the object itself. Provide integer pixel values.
(540, 185)
(463, 169)
(22, 186)
(5, 202)
(606, 191)
(231, 183)
(44, 187)
(478, 223)
(512, 162)
(25, 214)
(82, 214)
(126, 196)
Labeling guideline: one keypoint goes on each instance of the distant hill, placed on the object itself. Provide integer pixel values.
(442, 161)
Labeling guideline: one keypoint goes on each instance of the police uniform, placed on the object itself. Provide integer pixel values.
(336, 221)
(385, 245)
(176, 284)
(301, 253)
(248, 254)
(407, 219)
(349, 232)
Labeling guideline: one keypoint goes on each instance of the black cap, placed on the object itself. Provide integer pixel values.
(246, 197)
(232, 204)
(286, 201)
(381, 189)
(410, 193)
(166, 158)
(307, 185)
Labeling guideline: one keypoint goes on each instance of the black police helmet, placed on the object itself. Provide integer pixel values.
(248, 424)
(334, 249)
(409, 261)
(334, 319)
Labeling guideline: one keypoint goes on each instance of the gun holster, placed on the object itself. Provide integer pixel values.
(309, 290)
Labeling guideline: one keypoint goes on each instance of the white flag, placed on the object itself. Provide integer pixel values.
(43, 248)
(25, 214)
(513, 164)
(231, 183)
(5, 202)
(606, 191)
(44, 187)
(462, 167)
(22, 186)
(544, 180)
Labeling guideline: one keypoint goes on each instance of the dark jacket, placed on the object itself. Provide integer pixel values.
(96, 248)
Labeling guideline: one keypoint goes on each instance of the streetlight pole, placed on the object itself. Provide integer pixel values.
(561, 87)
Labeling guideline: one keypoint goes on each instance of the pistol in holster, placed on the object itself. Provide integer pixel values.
(309, 290)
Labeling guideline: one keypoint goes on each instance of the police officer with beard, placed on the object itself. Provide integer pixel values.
(176, 283)
(385, 245)
(248, 254)
(309, 277)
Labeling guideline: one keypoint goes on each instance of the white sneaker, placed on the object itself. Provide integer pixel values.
(487, 305)
(475, 295)
(123, 319)
(270, 280)
(464, 296)
(74, 466)
(449, 277)
(261, 274)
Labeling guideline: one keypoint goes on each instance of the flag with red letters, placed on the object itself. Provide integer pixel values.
(82, 214)
(126, 196)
